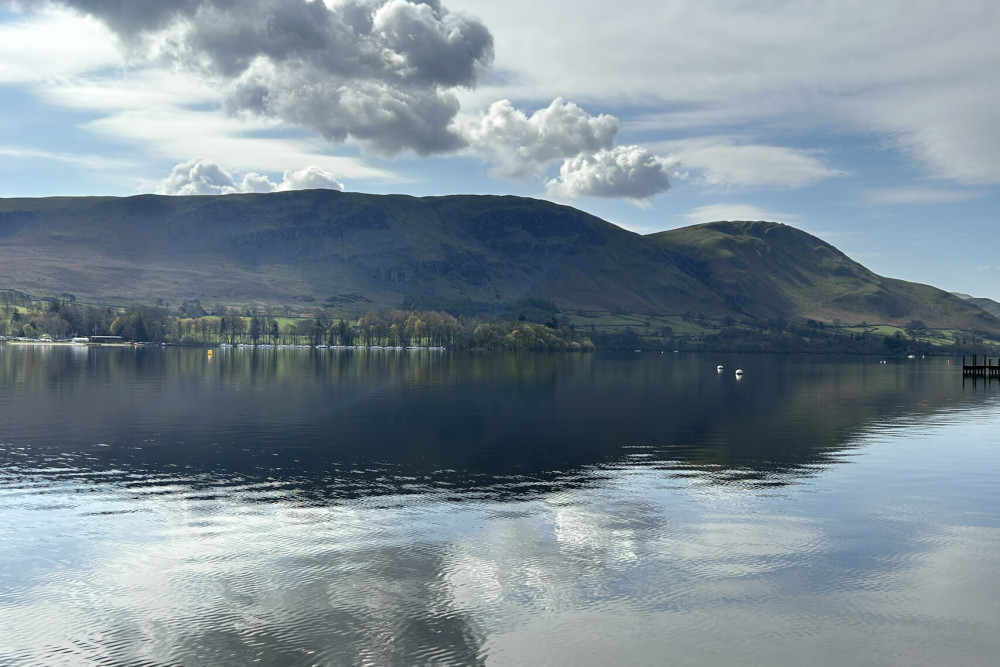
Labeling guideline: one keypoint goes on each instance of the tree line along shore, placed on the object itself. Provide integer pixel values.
(56, 320)
(534, 329)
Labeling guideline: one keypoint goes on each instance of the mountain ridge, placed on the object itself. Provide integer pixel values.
(815, 280)
(354, 252)
(989, 305)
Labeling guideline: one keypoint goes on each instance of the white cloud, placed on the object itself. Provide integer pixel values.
(198, 177)
(924, 74)
(53, 44)
(171, 116)
(254, 182)
(393, 75)
(83, 160)
(522, 146)
(727, 161)
(140, 88)
(717, 212)
(177, 134)
(918, 195)
(310, 178)
(629, 172)
(952, 132)
(205, 177)
(380, 72)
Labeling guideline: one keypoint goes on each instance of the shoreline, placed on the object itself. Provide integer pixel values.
(62, 343)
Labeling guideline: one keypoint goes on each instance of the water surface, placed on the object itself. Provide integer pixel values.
(162, 507)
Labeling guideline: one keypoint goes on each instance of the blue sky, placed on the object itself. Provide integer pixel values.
(871, 125)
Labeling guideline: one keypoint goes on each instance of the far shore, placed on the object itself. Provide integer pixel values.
(61, 343)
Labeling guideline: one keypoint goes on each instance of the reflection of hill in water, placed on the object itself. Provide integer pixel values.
(346, 424)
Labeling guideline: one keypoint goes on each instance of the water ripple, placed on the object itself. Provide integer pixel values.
(873, 545)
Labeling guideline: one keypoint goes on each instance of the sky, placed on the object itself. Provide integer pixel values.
(872, 125)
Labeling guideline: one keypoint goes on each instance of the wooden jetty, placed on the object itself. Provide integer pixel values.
(986, 370)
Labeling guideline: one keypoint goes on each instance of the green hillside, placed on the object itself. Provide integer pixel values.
(342, 250)
(765, 269)
(989, 305)
(352, 253)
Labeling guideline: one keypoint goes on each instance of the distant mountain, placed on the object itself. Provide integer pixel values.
(989, 305)
(770, 269)
(346, 250)
(355, 252)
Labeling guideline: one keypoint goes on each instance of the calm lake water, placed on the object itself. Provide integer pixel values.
(286, 507)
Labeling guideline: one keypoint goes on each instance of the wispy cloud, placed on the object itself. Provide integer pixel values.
(381, 75)
(923, 74)
(947, 126)
(87, 161)
(173, 117)
(731, 162)
(177, 134)
(717, 212)
(737, 87)
(916, 195)
(53, 44)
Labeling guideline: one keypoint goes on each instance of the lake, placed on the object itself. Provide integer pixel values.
(161, 506)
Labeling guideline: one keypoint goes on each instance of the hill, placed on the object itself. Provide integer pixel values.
(353, 252)
(765, 269)
(989, 305)
(342, 250)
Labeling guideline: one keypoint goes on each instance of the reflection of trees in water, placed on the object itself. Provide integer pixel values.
(337, 424)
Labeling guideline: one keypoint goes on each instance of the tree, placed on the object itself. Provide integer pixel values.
(138, 325)
(344, 334)
(256, 328)
(192, 308)
(316, 332)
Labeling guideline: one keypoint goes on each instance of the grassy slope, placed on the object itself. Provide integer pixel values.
(355, 252)
(342, 249)
(989, 305)
(773, 270)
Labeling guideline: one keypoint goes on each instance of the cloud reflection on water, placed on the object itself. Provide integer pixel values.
(633, 567)
(604, 513)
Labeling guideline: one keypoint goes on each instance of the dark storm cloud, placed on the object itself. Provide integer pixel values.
(382, 72)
